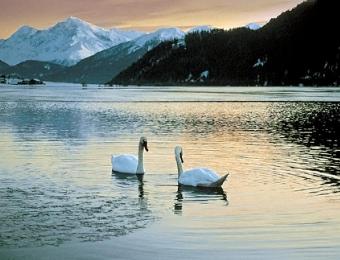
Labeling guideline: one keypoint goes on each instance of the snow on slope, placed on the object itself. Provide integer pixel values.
(66, 43)
(152, 39)
(160, 35)
(104, 65)
(253, 26)
(203, 28)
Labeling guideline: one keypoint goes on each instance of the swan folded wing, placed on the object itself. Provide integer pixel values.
(198, 176)
(124, 163)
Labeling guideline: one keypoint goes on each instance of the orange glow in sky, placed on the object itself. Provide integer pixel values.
(143, 15)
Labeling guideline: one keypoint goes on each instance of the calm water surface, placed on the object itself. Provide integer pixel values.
(59, 199)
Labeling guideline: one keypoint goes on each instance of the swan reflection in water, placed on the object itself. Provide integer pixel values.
(194, 192)
(126, 180)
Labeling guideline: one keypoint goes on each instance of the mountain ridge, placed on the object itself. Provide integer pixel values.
(32, 69)
(102, 66)
(67, 42)
(300, 46)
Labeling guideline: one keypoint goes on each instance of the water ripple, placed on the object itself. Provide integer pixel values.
(57, 187)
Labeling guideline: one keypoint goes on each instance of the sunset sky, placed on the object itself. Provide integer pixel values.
(143, 15)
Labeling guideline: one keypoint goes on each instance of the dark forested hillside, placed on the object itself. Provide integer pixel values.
(3, 65)
(33, 69)
(301, 46)
(102, 66)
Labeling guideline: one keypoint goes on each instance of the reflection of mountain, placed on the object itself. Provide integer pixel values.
(66, 121)
(30, 119)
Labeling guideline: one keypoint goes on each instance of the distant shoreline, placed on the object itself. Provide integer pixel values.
(94, 85)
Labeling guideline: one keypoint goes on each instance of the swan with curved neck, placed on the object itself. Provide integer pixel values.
(130, 164)
(197, 177)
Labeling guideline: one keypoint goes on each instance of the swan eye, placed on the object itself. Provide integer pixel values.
(145, 145)
(181, 156)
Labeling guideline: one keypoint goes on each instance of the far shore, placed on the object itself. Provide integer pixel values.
(100, 85)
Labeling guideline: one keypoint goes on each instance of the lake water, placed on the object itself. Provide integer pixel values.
(60, 200)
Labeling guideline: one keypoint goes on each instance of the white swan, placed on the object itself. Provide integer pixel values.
(197, 177)
(130, 164)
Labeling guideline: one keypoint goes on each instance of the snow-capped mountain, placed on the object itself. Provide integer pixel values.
(66, 43)
(253, 26)
(104, 65)
(160, 35)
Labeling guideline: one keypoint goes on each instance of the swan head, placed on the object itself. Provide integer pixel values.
(144, 143)
(179, 153)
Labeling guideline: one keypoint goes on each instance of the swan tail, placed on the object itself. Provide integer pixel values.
(112, 160)
(220, 181)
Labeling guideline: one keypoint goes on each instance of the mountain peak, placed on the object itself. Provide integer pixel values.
(66, 42)
(73, 18)
(26, 30)
(162, 34)
(253, 26)
(75, 22)
(23, 31)
(169, 33)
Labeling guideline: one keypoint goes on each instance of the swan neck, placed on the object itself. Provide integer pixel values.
(179, 165)
(140, 166)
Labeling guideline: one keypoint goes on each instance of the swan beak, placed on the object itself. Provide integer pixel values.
(181, 155)
(146, 146)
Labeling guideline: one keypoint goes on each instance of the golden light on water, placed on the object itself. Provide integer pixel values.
(55, 168)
